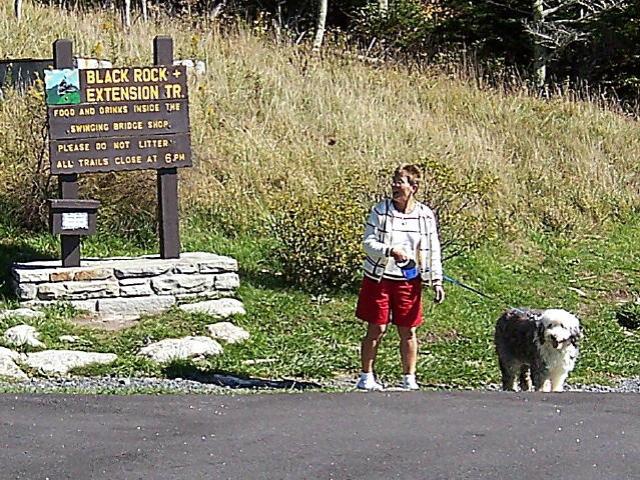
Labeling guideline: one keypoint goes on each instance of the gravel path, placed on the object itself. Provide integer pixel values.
(226, 384)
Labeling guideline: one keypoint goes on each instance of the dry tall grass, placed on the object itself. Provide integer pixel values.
(271, 118)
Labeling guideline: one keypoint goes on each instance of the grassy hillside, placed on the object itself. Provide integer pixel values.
(270, 117)
(273, 124)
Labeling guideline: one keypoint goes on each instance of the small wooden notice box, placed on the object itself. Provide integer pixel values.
(73, 216)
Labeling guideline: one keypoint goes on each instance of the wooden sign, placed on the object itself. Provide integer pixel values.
(87, 121)
(102, 120)
(130, 118)
(90, 155)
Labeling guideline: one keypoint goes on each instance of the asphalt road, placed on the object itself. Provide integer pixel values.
(405, 435)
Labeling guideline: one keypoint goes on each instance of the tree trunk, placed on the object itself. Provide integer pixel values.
(539, 53)
(17, 6)
(321, 23)
(145, 13)
(127, 13)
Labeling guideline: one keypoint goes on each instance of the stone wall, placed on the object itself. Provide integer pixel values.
(126, 286)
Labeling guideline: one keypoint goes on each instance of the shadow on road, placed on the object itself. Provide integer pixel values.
(232, 380)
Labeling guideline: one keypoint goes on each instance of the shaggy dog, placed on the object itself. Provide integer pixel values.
(538, 347)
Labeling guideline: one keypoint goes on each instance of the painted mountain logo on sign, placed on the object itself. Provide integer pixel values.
(62, 87)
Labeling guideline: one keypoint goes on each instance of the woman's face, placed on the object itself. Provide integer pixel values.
(401, 189)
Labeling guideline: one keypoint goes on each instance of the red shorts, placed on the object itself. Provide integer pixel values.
(395, 301)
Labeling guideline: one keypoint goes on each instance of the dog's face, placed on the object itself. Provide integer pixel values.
(560, 328)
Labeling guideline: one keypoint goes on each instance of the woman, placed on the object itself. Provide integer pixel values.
(398, 230)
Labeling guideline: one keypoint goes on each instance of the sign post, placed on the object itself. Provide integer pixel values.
(167, 181)
(68, 182)
(117, 119)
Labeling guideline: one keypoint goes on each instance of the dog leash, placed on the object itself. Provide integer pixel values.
(478, 292)
(460, 284)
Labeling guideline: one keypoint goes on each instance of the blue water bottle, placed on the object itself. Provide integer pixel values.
(409, 269)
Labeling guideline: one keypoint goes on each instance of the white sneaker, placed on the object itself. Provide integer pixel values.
(409, 382)
(368, 382)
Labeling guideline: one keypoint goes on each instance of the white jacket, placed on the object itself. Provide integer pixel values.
(377, 238)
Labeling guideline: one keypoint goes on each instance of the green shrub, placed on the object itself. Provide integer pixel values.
(320, 237)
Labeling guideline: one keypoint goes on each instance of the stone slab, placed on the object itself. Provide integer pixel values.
(36, 273)
(40, 270)
(219, 264)
(223, 307)
(26, 291)
(181, 349)
(228, 332)
(84, 305)
(209, 295)
(133, 281)
(22, 313)
(78, 290)
(83, 275)
(20, 335)
(135, 305)
(61, 361)
(13, 355)
(186, 268)
(9, 369)
(136, 290)
(142, 269)
(182, 283)
(226, 281)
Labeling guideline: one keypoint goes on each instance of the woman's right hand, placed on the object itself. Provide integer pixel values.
(399, 255)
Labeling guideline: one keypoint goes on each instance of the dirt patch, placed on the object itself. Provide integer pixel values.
(107, 323)
(449, 336)
(621, 296)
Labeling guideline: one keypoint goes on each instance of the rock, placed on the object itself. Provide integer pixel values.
(146, 268)
(88, 62)
(78, 290)
(228, 332)
(85, 305)
(61, 361)
(8, 367)
(20, 313)
(223, 307)
(193, 66)
(179, 283)
(134, 305)
(23, 335)
(259, 361)
(188, 268)
(181, 349)
(81, 274)
(226, 281)
(217, 264)
(26, 291)
(5, 352)
(211, 295)
(69, 338)
(136, 289)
